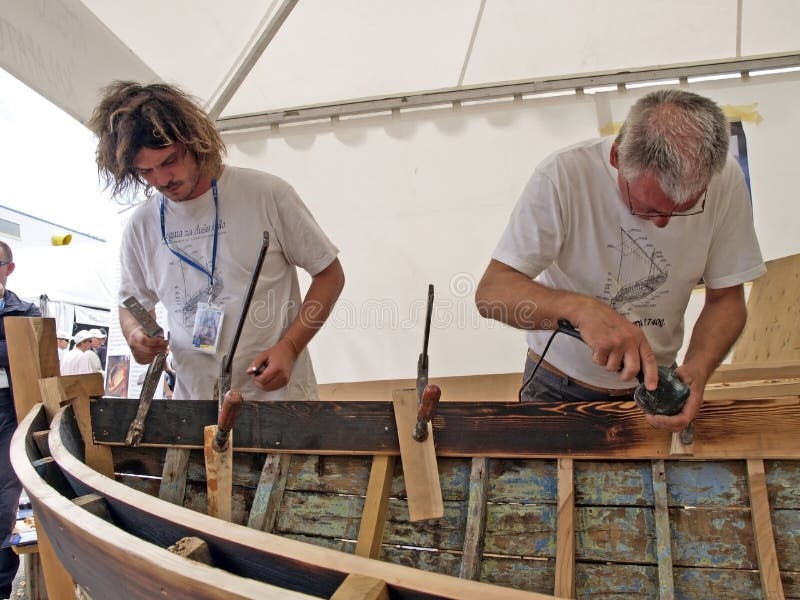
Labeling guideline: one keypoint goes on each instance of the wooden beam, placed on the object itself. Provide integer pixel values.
(77, 389)
(476, 519)
(376, 503)
(666, 585)
(577, 430)
(361, 587)
(771, 583)
(269, 491)
(755, 371)
(173, 476)
(565, 537)
(420, 469)
(32, 355)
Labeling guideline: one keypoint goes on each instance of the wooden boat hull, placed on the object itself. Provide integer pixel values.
(109, 561)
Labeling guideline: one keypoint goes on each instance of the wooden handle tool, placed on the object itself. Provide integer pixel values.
(231, 406)
(425, 410)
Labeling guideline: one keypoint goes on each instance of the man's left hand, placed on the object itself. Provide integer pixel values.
(697, 384)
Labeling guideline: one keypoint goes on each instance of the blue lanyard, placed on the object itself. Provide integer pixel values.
(188, 260)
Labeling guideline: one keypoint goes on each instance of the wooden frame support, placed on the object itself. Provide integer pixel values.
(771, 583)
(376, 504)
(173, 475)
(666, 583)
(33, 355)
(565, 539)
(269, 491)
(78, 389)
(420, 469)
(361, 587)
(476, 519)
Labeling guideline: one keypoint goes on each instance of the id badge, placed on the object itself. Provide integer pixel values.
(207, 328)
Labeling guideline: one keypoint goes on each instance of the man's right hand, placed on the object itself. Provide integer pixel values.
(617, 344)
(145, 348)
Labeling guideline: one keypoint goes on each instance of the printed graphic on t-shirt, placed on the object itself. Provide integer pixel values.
(640, 275)
(194, 243)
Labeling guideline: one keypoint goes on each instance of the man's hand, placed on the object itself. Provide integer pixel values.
(697, 385)
(278, 361)
(617, 344)
(145, 348)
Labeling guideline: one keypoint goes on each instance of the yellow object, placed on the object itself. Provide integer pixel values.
(746, 113)
(61, 240)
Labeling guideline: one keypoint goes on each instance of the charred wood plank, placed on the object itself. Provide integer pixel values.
(578, 430)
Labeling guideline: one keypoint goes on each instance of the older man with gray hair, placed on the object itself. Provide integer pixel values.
(612, 235)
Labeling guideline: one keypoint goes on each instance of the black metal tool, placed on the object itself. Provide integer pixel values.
(667, 399)
(224, 382)
(154, 370)
(427, 396)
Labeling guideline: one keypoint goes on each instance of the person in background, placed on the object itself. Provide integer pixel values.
(10, 487)
(99, 339)
(613, 235)
(192, 246)
(99, 348)
(62, 341)
(80, 359)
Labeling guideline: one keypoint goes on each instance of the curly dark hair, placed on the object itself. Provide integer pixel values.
(132, 116)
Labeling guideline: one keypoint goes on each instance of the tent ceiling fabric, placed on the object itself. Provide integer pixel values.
(334, 51)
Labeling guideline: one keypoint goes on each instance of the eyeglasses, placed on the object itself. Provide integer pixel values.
(3, 263)
(657, 213)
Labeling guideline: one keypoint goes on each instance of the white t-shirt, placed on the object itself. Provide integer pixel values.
(250, 202)
(571, 230)
(77, 362)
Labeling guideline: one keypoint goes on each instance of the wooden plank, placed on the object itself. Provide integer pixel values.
(666, 586)
(762, 526)
(745, 390)
(754, 371)
(565, 536)
(772, 331)
(376, 503)
(476, 519)
(219, 477)
(715, 537)
(730, 429)
(503, 387)
(32, 355)
(420, 469)
(77, 389)
(361, 587)
(173, 478)
(621, 581)
(267, 498)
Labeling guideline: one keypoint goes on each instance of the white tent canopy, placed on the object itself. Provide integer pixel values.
(410, 128)
(75, 282)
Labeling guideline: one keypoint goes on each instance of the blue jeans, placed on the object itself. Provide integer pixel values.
(10, 489)
(549, 387)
